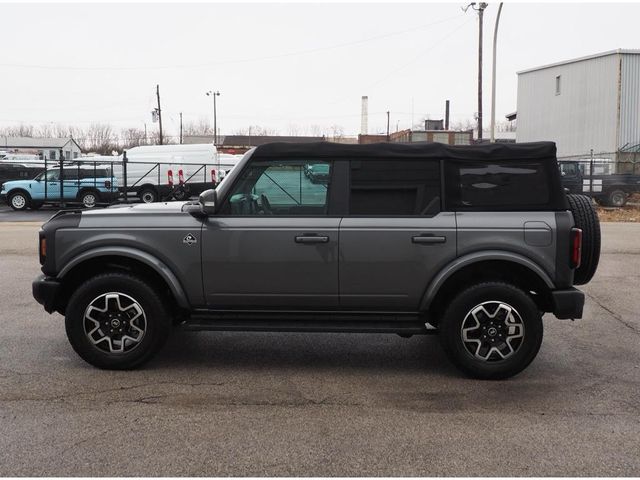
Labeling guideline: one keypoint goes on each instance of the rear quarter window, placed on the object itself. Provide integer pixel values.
(498, 185)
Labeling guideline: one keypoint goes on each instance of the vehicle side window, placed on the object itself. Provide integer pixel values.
(53, 175)
(505, 185)
(395, 187)
(70, 174)
(284, 188)
(568, 169)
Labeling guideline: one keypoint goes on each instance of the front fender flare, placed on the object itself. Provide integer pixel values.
(144, 257)
(470, 259)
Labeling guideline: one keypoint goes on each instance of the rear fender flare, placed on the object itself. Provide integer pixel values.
(476, 257)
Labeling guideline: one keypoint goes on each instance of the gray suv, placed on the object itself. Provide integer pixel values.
(471, 243)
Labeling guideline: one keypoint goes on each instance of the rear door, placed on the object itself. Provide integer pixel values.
(395, 238)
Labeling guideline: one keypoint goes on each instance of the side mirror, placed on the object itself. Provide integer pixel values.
(207, 201)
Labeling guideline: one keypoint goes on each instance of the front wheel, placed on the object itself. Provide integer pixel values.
(116, 321)
(491, 330)
(19, 201)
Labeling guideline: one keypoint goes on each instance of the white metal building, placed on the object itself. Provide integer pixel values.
(582, 104)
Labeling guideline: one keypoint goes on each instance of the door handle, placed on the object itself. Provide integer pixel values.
(311, 239)
(428, 239)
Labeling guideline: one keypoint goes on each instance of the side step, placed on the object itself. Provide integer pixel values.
(329, 322)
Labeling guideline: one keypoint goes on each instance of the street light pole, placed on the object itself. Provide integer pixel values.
(493, 77)
(215, 94)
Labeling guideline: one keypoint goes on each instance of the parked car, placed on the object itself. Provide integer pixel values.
(87, 185)
(612, 190)
(473, 243)
(317, 173)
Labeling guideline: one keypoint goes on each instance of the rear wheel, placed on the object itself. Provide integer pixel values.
(116, 321)
(19, 201)
(89, 198)
(616, 198)
(586, 219)
(148, 195)
(181, 193)
(491, 330)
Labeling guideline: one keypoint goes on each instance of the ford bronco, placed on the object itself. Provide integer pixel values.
(473, 243)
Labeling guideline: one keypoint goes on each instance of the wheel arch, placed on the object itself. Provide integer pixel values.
(487, 266)
(13, 191)
(131, 259)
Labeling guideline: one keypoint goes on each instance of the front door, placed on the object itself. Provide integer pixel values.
(273, 243)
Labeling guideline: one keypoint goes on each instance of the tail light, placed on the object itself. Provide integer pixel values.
(43, 249)
(170, 177)
(213, 176)
(576, 247)
(180, 177)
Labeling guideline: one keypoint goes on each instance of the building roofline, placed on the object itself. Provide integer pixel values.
(580, 59)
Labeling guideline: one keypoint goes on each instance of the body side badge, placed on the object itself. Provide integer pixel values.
(190, 239)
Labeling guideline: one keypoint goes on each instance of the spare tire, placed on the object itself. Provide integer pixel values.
(586, 219)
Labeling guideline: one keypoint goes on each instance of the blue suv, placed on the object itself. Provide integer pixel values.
(86, 185)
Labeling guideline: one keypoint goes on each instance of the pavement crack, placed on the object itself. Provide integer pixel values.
(111, 390)
(616, 316)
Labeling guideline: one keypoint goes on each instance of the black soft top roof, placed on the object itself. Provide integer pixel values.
(419, 150)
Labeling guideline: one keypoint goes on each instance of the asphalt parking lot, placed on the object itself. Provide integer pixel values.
(320, 404)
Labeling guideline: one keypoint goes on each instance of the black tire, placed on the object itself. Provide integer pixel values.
(616, 198)
(19, 200)
(148, 195)
(89, 198)
(586, 219)
(513, 353)
(154, 321)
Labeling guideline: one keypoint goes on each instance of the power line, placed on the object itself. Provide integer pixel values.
(233, 62)
(405, 65)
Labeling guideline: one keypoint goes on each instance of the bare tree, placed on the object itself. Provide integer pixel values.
(256, 130)
(98, 138)
(21, 130)
(132, 137)
(202, 127)
(463, 125)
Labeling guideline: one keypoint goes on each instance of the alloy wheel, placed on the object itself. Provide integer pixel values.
(114, 322)
(492, 331)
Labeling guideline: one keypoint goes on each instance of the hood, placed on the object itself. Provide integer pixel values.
(13, 183)
(140, 208)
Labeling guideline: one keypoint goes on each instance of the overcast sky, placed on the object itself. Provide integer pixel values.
(278, 65)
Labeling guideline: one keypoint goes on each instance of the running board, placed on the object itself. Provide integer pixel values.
(323, 322)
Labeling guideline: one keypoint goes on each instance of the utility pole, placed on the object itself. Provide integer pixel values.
(480, 9)
(388, 125)
(180, 128)
(493, 77)
(145, 134)
(159, 111)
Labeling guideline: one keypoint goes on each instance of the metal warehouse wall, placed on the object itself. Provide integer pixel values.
(629, 133)
(582, 116)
